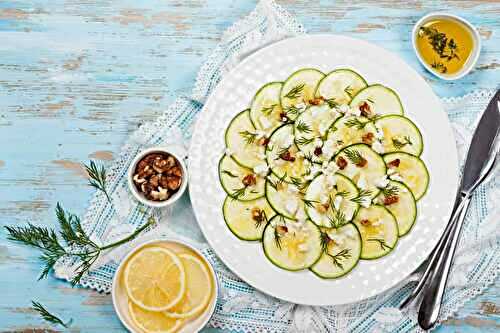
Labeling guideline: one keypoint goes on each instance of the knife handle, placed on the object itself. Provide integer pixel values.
(433, 294)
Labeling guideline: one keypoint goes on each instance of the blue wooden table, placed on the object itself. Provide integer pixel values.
(77, 76)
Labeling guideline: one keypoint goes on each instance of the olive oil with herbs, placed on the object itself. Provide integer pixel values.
(445, 44)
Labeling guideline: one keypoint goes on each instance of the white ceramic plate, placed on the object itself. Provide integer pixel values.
(275, 63)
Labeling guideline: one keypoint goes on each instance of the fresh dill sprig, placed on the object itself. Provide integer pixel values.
(229, 173)
(258, 222)
(339, 257)
(381, 242)
(445, 48)
(355, 122)
(295, 91)
(400, 143)
(331, 103)
(353, 155)
(337, 219)
(389, 191)
(303, 127)
(362, 196)
(302, 141)
(279, 182)
(97, 177)
(268, 110)
(309, 203)
(343, 193)
(370, 100)
(49, 317)
(74, 236)
(248, 136)
(438, 65)
(292, 111)
(296, 181)
(282, 151)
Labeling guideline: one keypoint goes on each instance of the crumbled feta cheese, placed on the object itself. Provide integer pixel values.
(329, 148)
(323, 199)
(379, 133)
(332, 167)
(331, 180)
(382, 182)
(378, 147)
(362, 182)
(265, 123)
(404, 190)
(323, 127)
(228, 152)
(292, 189)
(396, 177)
(261, 169)
(337, 202)
(291, 205)
(391, 171)
(301, 105)
(344, 108)
(315, 169)
(315, 111)
(354, 112)
(324, 165)
(259, 134)
(339, 239)
(365, 203)
(318, 142)
(303, 247)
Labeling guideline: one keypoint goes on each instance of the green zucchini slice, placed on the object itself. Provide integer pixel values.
(231, 176)
(247, 219)
(242, 141)
(380, 99)
(291, 245)
(409, 170)
(266, 109)
(399, 134)
(284, 197)
(340, 85)
(327, 200)
(399, 200)
(298, 90)
(341, 252)
(378, 229)
(349, 130)
(364, 167)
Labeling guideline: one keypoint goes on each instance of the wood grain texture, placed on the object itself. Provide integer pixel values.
(77, 76)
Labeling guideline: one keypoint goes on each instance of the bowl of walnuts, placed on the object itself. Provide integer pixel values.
(157, 177)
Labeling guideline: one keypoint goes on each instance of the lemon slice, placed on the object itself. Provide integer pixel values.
(153, 322)
(155, 279)
(198, 288)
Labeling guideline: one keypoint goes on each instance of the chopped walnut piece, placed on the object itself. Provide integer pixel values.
(249, 180)
(362, 163)
(318, 151)
(263, 141)
(365, 109)
(173, 182)
(368, 138)
(365, 222)
(322, 208)
(394, 163)
(258, 214)
(284, 117)
(316, 101)
(390, 200)
(282, 229)
(287, 156)
(341, 163)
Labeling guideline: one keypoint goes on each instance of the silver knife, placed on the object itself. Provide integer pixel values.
(481, 159)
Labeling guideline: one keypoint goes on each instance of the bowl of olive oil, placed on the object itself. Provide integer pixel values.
(447, 45)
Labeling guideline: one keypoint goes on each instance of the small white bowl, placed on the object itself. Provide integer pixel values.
(120, 299)
(471, 62)
(139, 196)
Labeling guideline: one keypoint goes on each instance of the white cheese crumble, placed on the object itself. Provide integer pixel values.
(318, 142)
(292, 189)
(337, 202)
(362, 182)
(391, 171)
(261, 169)
(291, 206)
(378, 147)
(382, 182)
(344, 108)
(379, 133)
(331, 181)
(396, 177)
(365, 203)
(323, 199)
(301, 105)
(323, 127)
(265, 122)
(339, 239)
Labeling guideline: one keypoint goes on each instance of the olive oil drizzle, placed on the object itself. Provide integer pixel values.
(445, 47)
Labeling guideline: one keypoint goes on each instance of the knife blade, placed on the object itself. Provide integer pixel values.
(482, 143)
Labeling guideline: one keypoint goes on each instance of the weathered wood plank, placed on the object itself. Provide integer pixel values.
(77, 76)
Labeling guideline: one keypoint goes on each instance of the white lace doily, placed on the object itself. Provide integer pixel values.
(240, 307)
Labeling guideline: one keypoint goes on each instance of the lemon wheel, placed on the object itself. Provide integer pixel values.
(153, 322)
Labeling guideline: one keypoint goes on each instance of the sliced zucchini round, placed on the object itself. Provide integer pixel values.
(283, 197)
(265, 109)
(321, 194)
(291, 245)
(364, 175)
(404, 208)
(242, 142)
(341, 85)
(283, 155)
(299, 88)
(378, 229)
(247, 219)
(380, 99)
(341, 254)
(400, 134)
(349, 130)
(411, 171)
(231, 176)
(312, 125)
